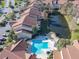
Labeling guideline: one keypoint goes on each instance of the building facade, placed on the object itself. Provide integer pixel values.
(29, 20)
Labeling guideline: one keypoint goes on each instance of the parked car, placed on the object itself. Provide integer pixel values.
(7, 31)
(3, 39)
(1, 43)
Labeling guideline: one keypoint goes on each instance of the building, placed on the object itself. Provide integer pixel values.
(56, 54)
(69, 52)
(15, 51)
(29, 20)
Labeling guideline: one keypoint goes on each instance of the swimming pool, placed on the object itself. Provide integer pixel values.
(38, 45)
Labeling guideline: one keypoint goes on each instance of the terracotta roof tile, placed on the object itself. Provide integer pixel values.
(29, 16)
(21, 54)
(56, 54)
(6, 53)
(70, 52)
(65, 53)
(30, 21)
(33, 56)
(18, 51)
(74, 52)
(19, 46)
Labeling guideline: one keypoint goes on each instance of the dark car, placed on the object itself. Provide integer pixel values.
(1, 43)
(4, 35)
(3, 39)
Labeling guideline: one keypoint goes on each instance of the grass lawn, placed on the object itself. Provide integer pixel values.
(9, 16)
(3, 3)
(68, 17)
(62, 29)
(73, 27)
(75, 34)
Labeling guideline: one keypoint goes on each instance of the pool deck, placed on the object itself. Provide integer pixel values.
(50, 48)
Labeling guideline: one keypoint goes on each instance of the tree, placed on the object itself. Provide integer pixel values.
(9, 16)
(51, 55)
(44, 26)
(11, 36)
(62, 43)
(69, 8)
(35, 30)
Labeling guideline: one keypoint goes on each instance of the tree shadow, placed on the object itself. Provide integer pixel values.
(60, 27)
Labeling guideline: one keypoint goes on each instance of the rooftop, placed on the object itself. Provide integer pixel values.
(68, 52)
(29, 16)
(15, 52)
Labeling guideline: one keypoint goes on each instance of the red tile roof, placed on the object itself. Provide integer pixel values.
(21, 46)
(29, 16)
(30, 21)
(65, 53)
(70, 52)
(15, 52)
(33, 56)
(76, 2)
(74, 52)
(8, 54)
(56, 54)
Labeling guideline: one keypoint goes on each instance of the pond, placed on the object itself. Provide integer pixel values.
(59, 25)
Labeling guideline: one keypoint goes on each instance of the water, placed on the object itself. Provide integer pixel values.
(38, 45)
(59, 25)
(42, 45)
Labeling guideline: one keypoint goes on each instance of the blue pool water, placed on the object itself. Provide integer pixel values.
(38, 45)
